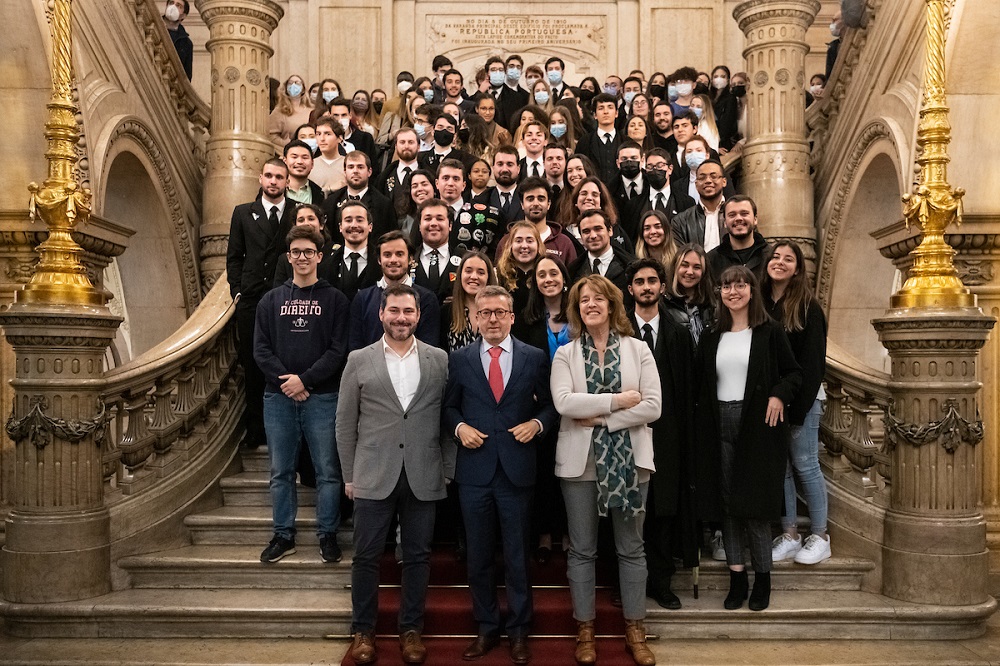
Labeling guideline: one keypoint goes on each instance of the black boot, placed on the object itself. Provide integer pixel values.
(738, 586)
(760, 598)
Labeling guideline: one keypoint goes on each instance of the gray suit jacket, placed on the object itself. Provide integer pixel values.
(376, 439)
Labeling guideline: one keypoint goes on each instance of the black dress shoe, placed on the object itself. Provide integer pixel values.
(519, 653)
(543, 554)
(667, 599)
(480, 647)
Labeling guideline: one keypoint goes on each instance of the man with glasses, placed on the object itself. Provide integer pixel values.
(497, 403)
(300, 344)
(703, 223)
(657, 194)
(743, 245)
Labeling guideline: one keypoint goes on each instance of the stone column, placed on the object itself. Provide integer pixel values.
(934, 549)
(239, 41)
(776, 155)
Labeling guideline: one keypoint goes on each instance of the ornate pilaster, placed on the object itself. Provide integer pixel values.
(776, 155)
(934, 550)
(58, 532)
(240, 32)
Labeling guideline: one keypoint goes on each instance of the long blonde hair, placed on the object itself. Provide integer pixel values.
(506, 264)
(665, 255)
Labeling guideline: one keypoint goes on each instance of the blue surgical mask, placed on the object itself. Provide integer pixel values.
(330, 95)
(496, 78)
(694, 160)
(629, 96)
(420, 129)
(558, 130)
(610, 88)
(313, 146)
(541, 97)
(294, 89)
(555, 77)
(513, 74)
(697, 111)
(429, 95)
(672, 93)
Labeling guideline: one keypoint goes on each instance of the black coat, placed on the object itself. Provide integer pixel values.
(725, 256)
(254, 247)
(448, 272)
(809, 347)
(628, 217)
(582, 266)
(429, 160)
(383, 217)
(388, 180)
(364, 142)
(761, 452)
(510, 102)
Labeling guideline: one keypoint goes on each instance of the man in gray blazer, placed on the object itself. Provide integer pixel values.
(395, 461)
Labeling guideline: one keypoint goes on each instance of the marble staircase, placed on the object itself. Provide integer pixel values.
(216, 588)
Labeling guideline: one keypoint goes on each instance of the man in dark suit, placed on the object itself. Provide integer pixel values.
(628, 186)
(533, 162)
(358, 172)
(354, 265)
(504, 197)
(437, 263)
(555, 68)
(298, 156)
(601, 145)
(497, 403)
(256, 239)
(445, 130)
(509, 98)
(602, 256)
(668, 507)
(394, 175)
(658, 194)
(663, 135)
(354, 138)
(394, 253)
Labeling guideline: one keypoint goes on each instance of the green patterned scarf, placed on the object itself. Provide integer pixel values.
(617, 477)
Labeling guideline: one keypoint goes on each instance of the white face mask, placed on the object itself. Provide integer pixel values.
(720, 82)
(816, 89)
(172, 14)
(403, 86)
(835, 29)
(346, 124)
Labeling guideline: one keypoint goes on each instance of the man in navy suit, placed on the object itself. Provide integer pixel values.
(497, 403)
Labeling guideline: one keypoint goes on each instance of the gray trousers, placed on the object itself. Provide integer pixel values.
(737, 531)
(582, 519)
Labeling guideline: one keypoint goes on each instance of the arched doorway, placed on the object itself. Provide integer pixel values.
(863, 279)
(149, 273)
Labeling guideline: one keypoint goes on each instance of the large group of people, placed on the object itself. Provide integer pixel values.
(544, 308)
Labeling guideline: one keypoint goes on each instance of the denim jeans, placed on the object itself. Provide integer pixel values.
(803, 462)
(287, 422)
(582, 519)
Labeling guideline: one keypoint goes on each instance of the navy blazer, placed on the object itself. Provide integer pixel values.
(469, 399)
(366, 327)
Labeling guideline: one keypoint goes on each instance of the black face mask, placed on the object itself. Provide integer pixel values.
(629, 168)
(378, 106)
(443, 137)
(463, 134)
(739, 91)
(700, 89)
(657, 178)
(587, 95)
(657, 90)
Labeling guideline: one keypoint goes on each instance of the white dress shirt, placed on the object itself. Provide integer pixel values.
(360, 194)
(268, 206)
(408, 281)
(506, 358)
(712, 239)
(528, 161)
(605, 259)
(404, 371)
(425, 258)
(400, 174)
(654, 322)
(362, 259)
(628, 184)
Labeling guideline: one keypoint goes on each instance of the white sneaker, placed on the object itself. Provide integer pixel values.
(785, 547)
(815, 550)
(718, 549)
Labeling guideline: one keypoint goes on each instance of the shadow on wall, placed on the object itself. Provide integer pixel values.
(863, 279)
(149, 271)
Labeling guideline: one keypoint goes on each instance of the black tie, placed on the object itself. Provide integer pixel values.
(555, 192)
(505, 201)
(534, 170)
(406, 172)
(597, 266)
(434, 272)
(659, 202)
(631, 191)
(351, 278)
(607, 138)
(273, 217)
(647, 336)
(353, 197)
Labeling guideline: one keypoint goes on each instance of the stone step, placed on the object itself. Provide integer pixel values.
(239, 566)
(255, 460)
(252, 526)
(253, 489)
(310, 613)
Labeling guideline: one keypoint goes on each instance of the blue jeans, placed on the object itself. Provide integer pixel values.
(287, 422)
(803, 462)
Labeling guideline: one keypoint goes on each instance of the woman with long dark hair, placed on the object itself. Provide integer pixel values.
(790, 300)
(748, 377)
(474, 272)
(417, 187)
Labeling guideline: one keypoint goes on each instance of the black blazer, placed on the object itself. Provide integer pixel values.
(388, 180)
(582, 267)
(634, 210)
(510, 101)
(383, 217)
(364, 142)
(761, 452)
(522, 164)
(588, 145)
(428, 159)
(514, 211)
(254, 247)
(366, 278)
(448, 272)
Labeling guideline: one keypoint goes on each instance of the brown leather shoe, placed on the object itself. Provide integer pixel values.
(363, 648)
(519, 653)
(586, 648)
(480, 647)
(635, 643)
(412, 647)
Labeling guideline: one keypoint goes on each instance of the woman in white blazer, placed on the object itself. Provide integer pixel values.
(606, 388)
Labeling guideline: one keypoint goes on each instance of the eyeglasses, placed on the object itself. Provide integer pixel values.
(489, 314)
(709, 176)
(308, 253)
(733, 286)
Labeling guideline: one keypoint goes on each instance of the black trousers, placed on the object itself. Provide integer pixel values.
(253, 414)
(658, 534)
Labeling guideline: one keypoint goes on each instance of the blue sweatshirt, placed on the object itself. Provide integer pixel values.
(302, 332)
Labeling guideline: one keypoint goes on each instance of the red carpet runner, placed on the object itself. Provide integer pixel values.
(450, 626)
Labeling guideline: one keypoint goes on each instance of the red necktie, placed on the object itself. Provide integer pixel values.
(496, 375)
